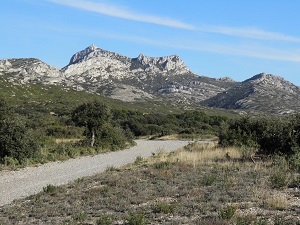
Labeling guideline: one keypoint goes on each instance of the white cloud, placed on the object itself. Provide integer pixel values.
(249, 50)
(117, 11)
(252, 33)
(122, 12)
(254, 51)
(196, 42)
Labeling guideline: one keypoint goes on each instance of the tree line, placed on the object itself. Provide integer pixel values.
(265, 135)
(25, 136)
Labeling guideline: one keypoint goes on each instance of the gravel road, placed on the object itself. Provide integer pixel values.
(31, 180)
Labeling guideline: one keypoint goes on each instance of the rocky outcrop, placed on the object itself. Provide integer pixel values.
(162, 64)
(30, 70)
(263, 92)
(102, 63)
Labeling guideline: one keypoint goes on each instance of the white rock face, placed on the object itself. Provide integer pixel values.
(79, 56)
(166, 63)
(30, 70)
(96, 62)
(273, 82)
(5, 65)
(96, 68)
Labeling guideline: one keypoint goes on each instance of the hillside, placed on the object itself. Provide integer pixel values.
(62, 99)
(262, 92)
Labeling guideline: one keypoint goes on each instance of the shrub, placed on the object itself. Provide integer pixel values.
(279, 179)
(10, 162)
(111, 137)
(209, 179)
(227, 212)
(138, 160)
(50, 188)
(104, 220)
(80, 217)
(295, 182)
(164, 208)
(261, 221)
(136, 219)
(162, 165)
(16, 141)
(245, 220)
(270, 136)
(294, 160)
(279, 221)
(279, 162)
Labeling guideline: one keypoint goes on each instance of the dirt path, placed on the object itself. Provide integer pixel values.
(31, 180)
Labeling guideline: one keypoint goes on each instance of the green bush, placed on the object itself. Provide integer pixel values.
(162, 165)
(136, 219)
(270, 136)
(294, 160)
(50, 188)
(104, 220)
(138, 160)
(209, 179)
(9, 161)
(164, 208)
(16, 141)
(295, 181)
(227, 212)
(279, 179)
(80, 217)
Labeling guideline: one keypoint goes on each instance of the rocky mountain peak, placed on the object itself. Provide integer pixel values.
(261, 77)
(272, 81)
(166, 63)
(79, 56)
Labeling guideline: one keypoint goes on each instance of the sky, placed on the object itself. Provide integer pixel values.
(215, 38)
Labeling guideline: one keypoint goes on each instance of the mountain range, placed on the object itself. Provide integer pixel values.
(156, 79)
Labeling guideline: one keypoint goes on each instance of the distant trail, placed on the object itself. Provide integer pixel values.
(31, 180)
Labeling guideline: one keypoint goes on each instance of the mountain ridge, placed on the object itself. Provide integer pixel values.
(163, 78)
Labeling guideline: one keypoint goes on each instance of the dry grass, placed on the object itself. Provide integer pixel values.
(67, 140)
(200, 184)
(168, 137)
(277, 201)
(185, 137)
(212, 155)
(197, 154)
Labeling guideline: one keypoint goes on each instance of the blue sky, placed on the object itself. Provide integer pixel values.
(215, 38)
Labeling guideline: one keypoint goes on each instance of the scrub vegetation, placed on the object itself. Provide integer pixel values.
(199, 184)
(249, 175)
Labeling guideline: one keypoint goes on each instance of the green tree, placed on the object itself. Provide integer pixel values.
(93, 116)
(15, 139)
(5, 110)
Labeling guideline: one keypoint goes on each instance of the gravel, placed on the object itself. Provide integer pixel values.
(31, 180)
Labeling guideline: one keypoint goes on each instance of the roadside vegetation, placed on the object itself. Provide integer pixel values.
(199, 184)
(35, 135)
(268, 137)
